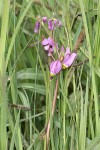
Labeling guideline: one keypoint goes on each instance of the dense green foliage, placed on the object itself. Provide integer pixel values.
(26, 92)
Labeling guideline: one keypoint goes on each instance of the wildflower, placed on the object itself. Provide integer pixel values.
(55, 67)
(59, 23)
(44, 19)
(48, 45)
(58, 65)
(37, 27)
(68, 58)
(38, 23)
(52, 23)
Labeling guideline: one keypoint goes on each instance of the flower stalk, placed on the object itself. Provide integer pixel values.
(53, 109)
(61, 59)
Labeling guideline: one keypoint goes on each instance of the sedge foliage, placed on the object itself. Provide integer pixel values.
(26, 92)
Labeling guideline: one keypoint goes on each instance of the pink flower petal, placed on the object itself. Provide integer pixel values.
(49, 54)
(50, 41)
(59, 23)
(44, 19)
(68, 60)
(48, 44)
(51, 50)
(50, 24)
(45, 42)
(55, 21)
(55, 67)
(46, 47)
(67, 51)
(37, 27)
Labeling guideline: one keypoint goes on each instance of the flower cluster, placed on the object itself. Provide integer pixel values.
(57, 65)
(52, 23)
(64, 57)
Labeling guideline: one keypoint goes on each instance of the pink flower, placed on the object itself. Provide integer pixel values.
(48, 45)
(37, 27)
(44, 19)
(55, 67)
(52, 23)
(38, 23)
(68, 58)
(59, 23)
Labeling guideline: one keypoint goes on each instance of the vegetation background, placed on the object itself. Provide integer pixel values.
(26, 92)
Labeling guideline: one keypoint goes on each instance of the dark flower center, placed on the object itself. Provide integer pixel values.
(51, 46)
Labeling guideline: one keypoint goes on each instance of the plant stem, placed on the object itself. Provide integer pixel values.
(53, 109)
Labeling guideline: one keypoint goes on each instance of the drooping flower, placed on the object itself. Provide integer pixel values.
(37, 27)
(52, 23)
(55, 67)
(48, 45)
(38, 23)
(59, 23)
(44, 19)
(68, 58)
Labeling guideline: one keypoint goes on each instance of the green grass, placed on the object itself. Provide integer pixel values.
(26, 92)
